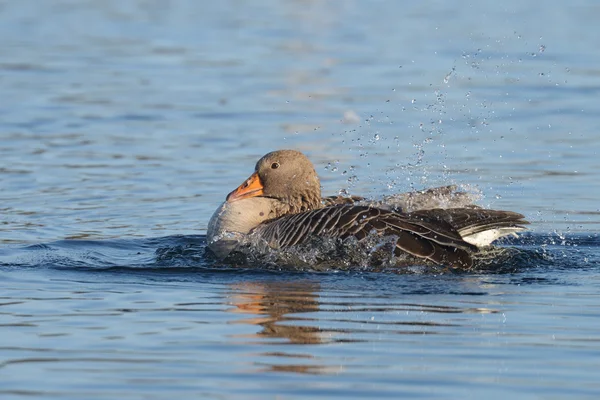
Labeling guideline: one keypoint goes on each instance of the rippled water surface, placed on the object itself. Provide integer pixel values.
(124, 124)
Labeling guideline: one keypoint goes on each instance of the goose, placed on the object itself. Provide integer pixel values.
(281, 206)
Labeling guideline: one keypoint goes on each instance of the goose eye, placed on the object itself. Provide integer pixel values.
(275, 165)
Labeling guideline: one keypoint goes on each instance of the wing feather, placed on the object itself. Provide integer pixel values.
(420, 235)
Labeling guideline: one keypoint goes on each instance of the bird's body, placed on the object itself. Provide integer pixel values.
(280, 206)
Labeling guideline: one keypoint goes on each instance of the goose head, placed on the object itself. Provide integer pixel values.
(286, 176)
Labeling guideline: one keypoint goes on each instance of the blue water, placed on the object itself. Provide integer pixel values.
(123, 125)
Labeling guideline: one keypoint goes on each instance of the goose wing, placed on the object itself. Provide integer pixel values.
(472, 220)
(418, 235)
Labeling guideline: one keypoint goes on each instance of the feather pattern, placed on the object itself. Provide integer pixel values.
(435, 235)
(472, 220)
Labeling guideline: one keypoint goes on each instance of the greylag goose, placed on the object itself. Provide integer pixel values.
(280, 205)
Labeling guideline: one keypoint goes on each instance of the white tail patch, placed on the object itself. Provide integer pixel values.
(486, 238)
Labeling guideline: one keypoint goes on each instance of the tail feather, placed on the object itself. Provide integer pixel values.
(479, 226)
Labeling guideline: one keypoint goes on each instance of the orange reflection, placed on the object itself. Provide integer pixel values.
(270, 304)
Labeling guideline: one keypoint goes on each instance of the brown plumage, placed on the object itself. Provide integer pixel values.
(281, 204)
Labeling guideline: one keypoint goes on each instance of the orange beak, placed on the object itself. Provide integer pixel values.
(251, 188)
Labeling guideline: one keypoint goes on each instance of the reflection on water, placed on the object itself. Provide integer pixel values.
(300, 313)
(274, 306)
(277, 308)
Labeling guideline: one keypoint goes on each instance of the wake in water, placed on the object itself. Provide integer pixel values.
(373, 253)
(189, 254)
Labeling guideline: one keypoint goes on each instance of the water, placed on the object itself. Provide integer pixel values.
(124, 124)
